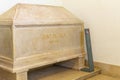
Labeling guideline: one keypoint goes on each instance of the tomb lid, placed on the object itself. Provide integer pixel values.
(32, 14)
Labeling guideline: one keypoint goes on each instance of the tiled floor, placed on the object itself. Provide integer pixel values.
(103, 77)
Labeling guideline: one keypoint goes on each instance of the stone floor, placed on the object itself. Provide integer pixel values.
(102, 77)
(60, 73)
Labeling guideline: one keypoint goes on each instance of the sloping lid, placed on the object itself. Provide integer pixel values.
(29, 14)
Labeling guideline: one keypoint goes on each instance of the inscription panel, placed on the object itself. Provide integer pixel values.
(37, 40)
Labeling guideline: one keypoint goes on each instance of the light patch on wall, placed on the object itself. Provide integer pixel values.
(103, 19)
(6, 4)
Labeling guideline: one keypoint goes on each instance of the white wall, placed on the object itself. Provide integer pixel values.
(103, 18)
(6, 4)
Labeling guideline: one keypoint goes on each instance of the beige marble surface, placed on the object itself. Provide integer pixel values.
(103, 77)
(28, 14)
(34, 36)
(109, 69)
(41, 33)
(60, 73)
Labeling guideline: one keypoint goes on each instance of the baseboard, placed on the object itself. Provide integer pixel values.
(108, 69)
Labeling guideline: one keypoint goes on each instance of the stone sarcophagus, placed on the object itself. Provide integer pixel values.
(33, 36)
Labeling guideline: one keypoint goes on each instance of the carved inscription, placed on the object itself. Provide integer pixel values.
(53, 37)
